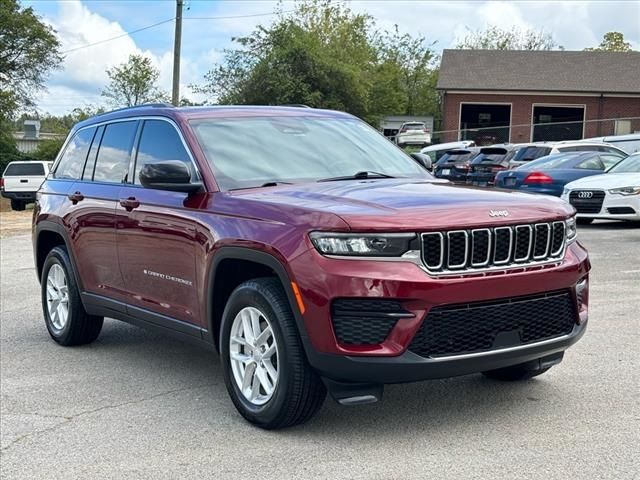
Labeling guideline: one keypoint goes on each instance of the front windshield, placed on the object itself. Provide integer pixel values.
(252, 151)
(628, 165)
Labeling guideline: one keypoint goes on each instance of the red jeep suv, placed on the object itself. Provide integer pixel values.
(312, 253)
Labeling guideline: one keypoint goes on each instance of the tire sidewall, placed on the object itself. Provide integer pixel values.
(58, 256)
(250, 295)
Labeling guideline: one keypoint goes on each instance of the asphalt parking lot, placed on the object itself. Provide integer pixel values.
(137, 404)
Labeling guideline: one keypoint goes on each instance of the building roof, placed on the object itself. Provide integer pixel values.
(552, 71)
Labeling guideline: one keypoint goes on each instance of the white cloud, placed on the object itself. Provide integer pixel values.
(446, 22)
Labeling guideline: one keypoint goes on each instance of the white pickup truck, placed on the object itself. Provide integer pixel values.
(21, 180)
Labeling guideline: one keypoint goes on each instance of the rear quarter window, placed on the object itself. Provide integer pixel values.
(24, 169)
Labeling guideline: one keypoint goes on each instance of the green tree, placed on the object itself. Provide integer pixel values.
(323, 55)
(496, 38)
(48, 149)
(29, 50)
(612, 42)
(133, 83)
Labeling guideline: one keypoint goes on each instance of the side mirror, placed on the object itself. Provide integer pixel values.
(423, 160)
(172, 175)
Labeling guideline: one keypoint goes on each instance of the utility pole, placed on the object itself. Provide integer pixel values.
(175, 91)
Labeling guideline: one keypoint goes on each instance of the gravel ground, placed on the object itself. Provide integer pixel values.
(138, 405)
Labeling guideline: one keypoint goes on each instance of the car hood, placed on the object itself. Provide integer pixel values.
(607, 180)
(406, 204)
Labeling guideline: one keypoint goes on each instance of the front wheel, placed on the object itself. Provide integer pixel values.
(265, 370)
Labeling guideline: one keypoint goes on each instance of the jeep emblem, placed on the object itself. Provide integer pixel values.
(498, 213)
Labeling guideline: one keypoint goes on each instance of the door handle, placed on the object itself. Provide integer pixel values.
(130, 203)
(76, 197)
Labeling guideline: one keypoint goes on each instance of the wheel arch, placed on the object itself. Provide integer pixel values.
(257, 264)
(49, 235)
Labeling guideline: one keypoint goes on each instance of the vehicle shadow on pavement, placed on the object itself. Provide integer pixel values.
(436, 405)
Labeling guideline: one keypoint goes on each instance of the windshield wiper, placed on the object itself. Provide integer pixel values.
(357, 176)
(266, 184)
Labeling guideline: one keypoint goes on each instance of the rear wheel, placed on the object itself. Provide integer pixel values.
(584, 221)
(265, 370)
(17, 205)
(67, 321)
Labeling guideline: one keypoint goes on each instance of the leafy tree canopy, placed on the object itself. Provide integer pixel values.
(324, 55)
(496, 38)
(612, 42)
(133, 83)
(29, 50)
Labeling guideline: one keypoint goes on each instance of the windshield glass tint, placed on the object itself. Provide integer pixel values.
(628, 165)
(457, 157)
(248, 152)
(531, 153)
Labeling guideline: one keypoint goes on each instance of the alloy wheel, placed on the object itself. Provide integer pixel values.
(57, 297)
(253, 352)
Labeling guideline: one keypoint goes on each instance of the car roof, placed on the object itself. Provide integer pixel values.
(188, 113)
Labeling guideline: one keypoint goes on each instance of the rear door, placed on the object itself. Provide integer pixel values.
(157, 239)
(92, 217)
(24, 177)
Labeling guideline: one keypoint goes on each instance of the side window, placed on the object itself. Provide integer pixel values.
(593, 163)
(112, 163)
(609, 160)
(160, 142)
(91, 158)
(74, 156)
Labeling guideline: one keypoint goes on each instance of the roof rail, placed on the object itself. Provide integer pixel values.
(142, 105)
(299, 105)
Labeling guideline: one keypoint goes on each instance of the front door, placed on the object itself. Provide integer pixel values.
(156, 234)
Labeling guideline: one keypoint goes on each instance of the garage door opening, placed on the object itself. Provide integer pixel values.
(564, 123)
(485, 123)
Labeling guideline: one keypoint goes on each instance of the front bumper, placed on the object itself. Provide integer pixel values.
(614, 207)
(321, 280)
(410, 367)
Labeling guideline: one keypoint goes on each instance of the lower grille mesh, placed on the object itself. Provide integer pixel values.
(365, 321)
(476, 327)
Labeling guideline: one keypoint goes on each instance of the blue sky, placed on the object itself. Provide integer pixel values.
(574, 24)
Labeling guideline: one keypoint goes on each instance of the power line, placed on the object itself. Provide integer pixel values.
(226, 17)
(118, 36)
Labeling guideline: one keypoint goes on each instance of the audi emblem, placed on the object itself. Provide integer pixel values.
(585, 194)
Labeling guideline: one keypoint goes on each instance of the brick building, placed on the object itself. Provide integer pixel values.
(523, 96)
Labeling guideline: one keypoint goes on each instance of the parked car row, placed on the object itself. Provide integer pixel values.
(478, 166)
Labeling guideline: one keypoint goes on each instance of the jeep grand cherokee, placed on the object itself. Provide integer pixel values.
(312, 253)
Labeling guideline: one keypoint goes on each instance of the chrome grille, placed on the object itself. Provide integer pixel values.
(476, 250)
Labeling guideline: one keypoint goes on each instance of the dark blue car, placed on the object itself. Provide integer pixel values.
(550, 174)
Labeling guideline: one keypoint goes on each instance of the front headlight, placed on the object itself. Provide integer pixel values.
(572, 229)
(625, 191)
(362, 244)
(565, 192)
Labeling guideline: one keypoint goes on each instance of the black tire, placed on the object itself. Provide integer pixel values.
(299, 391)
(514, 373)
(584, 221)
(17, 205)
(80, 327)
